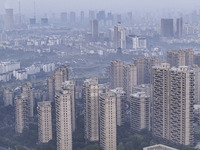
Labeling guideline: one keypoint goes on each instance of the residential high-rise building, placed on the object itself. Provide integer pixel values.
(63, 103)
(144, 88)
(173, 95)
(8, 97)
(120, 105)
(180, 57)
(70, 85)
(91, 103)
(116, 74)
(197, 84)
(108, 124)
(61, 75)
(27, 90)
(197, 59)
(140, 111)
(144, 68)
(179, 27)
(44, 121)
(130, 79)
(9, 19)
(51, 88)
(21, 113)
(167, 28)
(95, 29)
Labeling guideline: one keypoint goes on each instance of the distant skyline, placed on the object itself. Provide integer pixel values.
(56, 6)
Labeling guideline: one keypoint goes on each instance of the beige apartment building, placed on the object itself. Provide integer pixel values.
(108, 121)
(44, 121)
(173, 95)
(63, 102)
(140, 111)
(91, 108)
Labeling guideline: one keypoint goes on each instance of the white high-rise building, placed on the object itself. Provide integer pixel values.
(108, 121)
(63, 103)
(91, 115)
(44, 122)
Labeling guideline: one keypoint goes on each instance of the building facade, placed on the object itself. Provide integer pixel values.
(91, 109)
(44, 121)
(108, 121)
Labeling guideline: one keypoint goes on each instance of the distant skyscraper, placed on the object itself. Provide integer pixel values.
(9, 19)
(91, 116)
(130, 17)
(120, 96)
(8, 97)
(91, 14)
(61, 75)
(180, 57)
(51, 88)
(101, 15)
(32, 21)
(82, 17)
(63, 18)
(108, 124)
(120, 33)
(116, 74)
(140, 111)
(95, 29)
(167, 28)
(44, 122)
(179, 27)
(44, 21)
(173, 95)
(72, 18)
(63, 103)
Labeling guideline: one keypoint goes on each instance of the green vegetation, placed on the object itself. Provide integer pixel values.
(126, 139)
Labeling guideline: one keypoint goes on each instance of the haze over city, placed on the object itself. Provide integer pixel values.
(47, 6)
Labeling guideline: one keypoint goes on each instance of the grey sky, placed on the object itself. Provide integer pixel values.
(43, 6)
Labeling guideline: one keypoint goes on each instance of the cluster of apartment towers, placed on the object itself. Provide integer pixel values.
(161, 96)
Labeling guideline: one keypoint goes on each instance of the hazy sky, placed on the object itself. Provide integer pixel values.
(43, 6)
